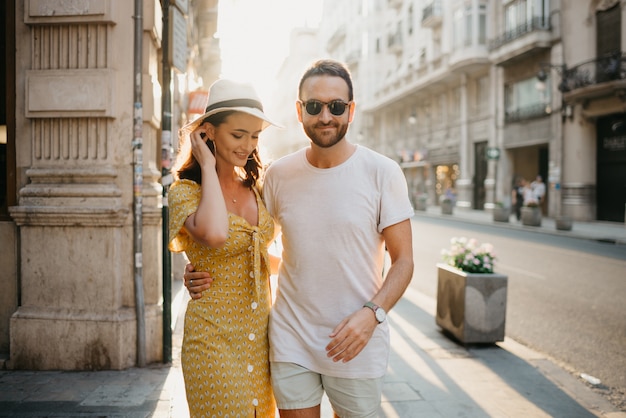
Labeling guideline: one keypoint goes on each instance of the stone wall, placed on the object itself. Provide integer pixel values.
(74, 157)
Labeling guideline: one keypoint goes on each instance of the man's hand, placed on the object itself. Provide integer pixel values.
(196, 281)
(351, 336)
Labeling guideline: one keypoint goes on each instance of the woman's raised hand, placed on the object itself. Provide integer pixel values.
(199, 148)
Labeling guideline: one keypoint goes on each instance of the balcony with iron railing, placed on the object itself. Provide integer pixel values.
(533, 34)
(598, 77)
(528, 112)
(432, 15)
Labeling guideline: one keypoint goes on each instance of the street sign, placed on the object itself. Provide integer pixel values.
(178, 40)
(493, 153)
(197, 101)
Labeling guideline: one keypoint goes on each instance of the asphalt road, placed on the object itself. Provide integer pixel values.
(566, 296)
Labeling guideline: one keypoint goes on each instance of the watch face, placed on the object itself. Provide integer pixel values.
(380, 315)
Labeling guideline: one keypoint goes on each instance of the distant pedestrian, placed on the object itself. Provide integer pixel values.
(517, 196)
(528, 195)
(539, 189)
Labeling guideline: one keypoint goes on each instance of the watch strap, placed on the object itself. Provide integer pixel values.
(371, 305)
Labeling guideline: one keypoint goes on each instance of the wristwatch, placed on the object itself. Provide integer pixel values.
(379, 312)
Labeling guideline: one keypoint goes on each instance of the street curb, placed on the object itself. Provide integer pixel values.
(573, 233)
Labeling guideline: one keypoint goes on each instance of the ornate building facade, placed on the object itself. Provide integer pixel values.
(81, 214)
(469, 95)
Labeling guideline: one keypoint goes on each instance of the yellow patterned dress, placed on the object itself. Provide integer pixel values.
(225, 346)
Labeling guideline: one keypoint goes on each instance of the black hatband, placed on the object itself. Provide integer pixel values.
(236, 103)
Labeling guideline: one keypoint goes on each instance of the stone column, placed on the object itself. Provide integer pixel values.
(74, 164)
(578, 176)
(493, 186)
(464, 183)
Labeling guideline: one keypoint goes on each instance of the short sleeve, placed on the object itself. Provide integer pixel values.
(395, 203)
(267, 193)
(183, 198)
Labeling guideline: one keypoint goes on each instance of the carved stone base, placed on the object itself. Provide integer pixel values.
(70, 339)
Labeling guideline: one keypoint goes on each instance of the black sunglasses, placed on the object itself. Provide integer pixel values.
(335, 107)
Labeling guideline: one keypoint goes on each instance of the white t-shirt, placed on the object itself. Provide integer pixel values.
(333, 254)
(539, 189)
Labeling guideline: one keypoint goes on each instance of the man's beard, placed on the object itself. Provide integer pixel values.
(326, 141)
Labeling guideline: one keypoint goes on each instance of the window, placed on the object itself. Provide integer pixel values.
(464, 26)
(527, 99)
(482, 95)
(608, 25)
(520, 14)
(458, 28)
(482, 24)
(468, 30)
(515, 15)
(455, 104)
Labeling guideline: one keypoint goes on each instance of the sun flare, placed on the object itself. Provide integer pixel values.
(254, 37)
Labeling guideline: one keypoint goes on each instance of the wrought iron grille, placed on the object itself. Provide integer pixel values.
(536, 23)
(599, 70)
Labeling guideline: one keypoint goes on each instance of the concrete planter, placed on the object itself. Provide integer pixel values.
(531, 216)
(421, 202)
(447, 207)
(501, 214)
(564, 223)
(471, 307)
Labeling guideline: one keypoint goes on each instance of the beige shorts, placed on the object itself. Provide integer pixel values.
(296, 387)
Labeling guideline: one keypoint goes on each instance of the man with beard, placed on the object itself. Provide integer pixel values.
(339, 206)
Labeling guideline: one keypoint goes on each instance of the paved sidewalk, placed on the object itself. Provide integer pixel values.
(610, 232)
(429, 374)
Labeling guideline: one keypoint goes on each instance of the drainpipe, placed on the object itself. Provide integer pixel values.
(138, 186)
(166, 180)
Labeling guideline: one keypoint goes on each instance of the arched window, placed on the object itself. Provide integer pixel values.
(608, 31)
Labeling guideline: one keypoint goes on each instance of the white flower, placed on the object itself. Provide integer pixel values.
(470, 256)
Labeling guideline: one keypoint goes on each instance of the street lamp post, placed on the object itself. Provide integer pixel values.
(554, 178)
(542, 76)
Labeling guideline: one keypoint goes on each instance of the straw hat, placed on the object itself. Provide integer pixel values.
(227, 95)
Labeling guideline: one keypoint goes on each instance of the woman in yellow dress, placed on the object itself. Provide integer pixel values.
(218, 219)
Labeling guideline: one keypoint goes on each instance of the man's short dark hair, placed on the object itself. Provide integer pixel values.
(330, 68)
